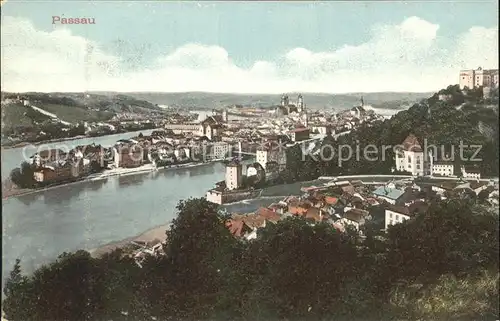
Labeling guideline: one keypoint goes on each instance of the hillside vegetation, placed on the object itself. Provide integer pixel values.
(466, 118)
(79, 107)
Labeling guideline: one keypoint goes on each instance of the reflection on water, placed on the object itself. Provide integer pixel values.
(29, 198)
(132, 180)
(62, 194)
(38, 227)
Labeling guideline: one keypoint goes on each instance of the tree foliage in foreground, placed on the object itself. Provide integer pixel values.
(294, 271)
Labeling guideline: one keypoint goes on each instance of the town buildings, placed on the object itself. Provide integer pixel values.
(272, 154)
(352, 204)
(478, 78)
(218, 151)
(389, 193)
(209, 127)
(470, 171)
(443, 168)
(395, 215)
(128, 155)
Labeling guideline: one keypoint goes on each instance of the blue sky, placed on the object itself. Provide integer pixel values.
(134, 36)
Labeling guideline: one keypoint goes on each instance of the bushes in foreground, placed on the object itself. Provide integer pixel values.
(293, 271)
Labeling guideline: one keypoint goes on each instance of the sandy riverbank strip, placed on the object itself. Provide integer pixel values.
(152, 236)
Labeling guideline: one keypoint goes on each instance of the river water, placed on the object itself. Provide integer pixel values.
(38, 227)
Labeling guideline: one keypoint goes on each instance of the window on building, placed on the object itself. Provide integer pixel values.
(390, 215)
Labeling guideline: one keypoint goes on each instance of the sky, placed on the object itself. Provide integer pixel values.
(241, 47)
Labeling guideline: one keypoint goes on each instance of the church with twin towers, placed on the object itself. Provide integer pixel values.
(288, 108)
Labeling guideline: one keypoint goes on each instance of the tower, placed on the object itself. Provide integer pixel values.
(305, 119)
(284, 100)
(300, 103)
(263, 155)
(225, 116)
(234, 176)
(430, 163)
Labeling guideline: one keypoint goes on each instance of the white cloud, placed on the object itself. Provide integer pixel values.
(409, 56)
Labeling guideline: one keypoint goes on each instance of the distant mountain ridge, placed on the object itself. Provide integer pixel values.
(204, 100)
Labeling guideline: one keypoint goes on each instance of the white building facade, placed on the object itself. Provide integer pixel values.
(478, 78)
(234, 176)
(392, 217)
(410, 157)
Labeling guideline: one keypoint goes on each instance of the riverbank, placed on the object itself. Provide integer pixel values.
(64, 139)
(56, 140)
(9, 190)
(154, 235)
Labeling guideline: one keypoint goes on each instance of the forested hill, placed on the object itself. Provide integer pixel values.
(445, 120)
(73, 107)
(457, 117)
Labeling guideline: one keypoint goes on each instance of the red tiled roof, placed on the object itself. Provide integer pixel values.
(356, 214)
(313, 213)
(268, 214)
(411, 144)
(331, 200)
(254, 221)
(297, 209)
(235, 227)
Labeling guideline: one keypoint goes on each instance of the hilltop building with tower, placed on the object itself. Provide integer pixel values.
(471, 79)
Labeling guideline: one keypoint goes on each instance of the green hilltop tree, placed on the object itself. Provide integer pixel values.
(451, 237)
(297, 270)
(199, 253)
(17, 306)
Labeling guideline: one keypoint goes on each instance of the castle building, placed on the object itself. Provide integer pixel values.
(478, 78)
(234, 176)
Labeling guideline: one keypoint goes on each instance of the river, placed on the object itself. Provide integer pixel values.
(38, 227)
